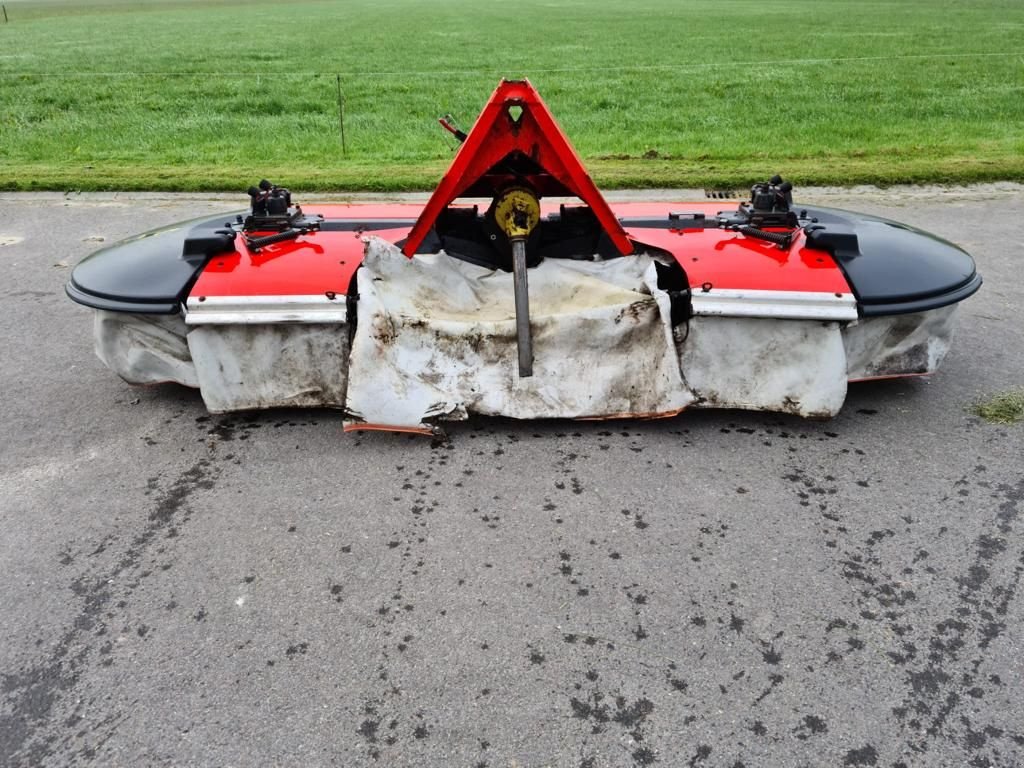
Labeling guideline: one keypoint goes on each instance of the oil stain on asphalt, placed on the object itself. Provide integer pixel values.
(561, 620)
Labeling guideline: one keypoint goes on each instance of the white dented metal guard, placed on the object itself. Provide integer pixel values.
(436, 339)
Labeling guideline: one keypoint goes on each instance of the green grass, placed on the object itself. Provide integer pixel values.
(183, 94)
(1002, 408)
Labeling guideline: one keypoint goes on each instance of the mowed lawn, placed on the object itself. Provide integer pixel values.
(184, 94)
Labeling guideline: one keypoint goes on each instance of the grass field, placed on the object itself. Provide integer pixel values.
(184, 95)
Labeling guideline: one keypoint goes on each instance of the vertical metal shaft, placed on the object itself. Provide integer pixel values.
(522, 291)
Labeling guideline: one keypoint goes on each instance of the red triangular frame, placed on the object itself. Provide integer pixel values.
(494, 136)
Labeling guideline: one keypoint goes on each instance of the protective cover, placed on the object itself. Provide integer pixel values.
(245, 367)
(144, 349)
(899, 345)
(435, 338)
(236, 367)
(794, 366)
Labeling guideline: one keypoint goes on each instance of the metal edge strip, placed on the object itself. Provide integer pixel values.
(926, 304)
(782, 305)
(87, 299)
(253, 310)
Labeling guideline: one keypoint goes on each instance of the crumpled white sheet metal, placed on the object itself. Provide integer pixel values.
(235, 366)
(794, 366)
(245, 367)
(898, 345)
(144, 349)
(435, 338)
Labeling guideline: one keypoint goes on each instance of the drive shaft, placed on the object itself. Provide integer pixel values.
(517, 212)
(524, 337)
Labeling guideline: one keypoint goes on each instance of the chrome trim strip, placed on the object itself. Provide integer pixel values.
(252, 310)
(792, 305)
(248, 310)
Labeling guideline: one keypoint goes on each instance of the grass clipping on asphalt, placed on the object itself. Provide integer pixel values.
(197, 95)
(1002, 408)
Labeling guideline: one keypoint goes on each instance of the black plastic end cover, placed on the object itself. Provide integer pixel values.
(150, 273)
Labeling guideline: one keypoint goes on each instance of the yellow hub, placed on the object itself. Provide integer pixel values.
(517, 212)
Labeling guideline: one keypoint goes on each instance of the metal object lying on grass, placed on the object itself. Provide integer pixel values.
(404, 315)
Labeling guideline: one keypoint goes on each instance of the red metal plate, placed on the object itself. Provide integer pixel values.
(515, 120)
(326, 261)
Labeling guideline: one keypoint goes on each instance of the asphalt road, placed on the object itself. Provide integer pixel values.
(721, 589)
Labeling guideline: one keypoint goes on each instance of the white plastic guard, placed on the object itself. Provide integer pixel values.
(435, 338)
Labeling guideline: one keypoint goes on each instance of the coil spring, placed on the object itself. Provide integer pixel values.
(255, 243)
(781, 239)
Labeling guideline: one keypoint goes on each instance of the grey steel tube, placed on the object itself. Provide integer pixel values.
(522, 291)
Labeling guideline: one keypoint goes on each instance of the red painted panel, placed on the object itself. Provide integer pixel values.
(326, 261)
(312, 264)
(730, 260)
(495, 136)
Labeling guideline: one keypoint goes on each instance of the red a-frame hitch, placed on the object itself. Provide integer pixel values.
(516, 130)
